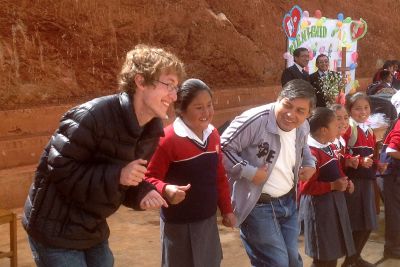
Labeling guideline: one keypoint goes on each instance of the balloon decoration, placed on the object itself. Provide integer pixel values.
(291, 22)
(306, 14)
(340, 17)
(354, 56)
(347, 20)
(287, 55)
(358, 29)
(353, 66)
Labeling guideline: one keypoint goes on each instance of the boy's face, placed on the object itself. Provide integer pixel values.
(290, 114)
(158, 96)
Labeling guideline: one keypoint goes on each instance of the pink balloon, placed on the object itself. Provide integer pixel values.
(306, 14)
(318, 14)
(354, 56)
(286, 55)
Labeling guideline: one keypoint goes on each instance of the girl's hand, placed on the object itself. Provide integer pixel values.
(367, 162)
(175, 193)
(352, 162)
(340, 184)
(350, 187)
(229, 220)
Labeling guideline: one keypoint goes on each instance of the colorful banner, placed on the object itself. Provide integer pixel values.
(322, 35)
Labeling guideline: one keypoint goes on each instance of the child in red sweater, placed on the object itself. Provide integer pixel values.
(360, 141)
(323, 209)
(186, 169)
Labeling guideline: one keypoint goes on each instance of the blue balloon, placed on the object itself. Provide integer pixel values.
(353, 66)
(340, 16)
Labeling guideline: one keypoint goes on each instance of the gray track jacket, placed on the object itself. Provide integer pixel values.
(251, 141)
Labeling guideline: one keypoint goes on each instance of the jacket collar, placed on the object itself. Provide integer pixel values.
(153, 128)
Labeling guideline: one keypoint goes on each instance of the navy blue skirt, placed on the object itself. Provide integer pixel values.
(327, 231)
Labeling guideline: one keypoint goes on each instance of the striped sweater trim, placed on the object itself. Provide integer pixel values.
(243, 126)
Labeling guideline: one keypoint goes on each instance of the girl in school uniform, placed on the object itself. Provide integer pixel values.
(391, 185)
(360, 141)
(186, 169)
(342, 117)
(327, 231)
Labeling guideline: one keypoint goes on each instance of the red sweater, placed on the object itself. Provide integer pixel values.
(327, 170)
(364, 146)
(180, 160)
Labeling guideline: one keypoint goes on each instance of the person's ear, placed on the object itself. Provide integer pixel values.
(139, 81)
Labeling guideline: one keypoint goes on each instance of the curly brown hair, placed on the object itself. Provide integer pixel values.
(149, 62)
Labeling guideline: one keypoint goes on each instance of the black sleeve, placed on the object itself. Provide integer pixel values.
(91, 184)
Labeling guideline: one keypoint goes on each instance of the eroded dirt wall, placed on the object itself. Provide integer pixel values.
(63, 51)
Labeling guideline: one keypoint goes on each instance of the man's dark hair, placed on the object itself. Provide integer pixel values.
(320, 117)
(297, 51)
(298, 88)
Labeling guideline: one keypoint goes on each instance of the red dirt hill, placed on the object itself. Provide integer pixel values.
(61, 51)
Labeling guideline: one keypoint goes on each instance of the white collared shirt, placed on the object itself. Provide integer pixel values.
(364, 126)
(321, 73)
(301, 69)
(314, 143)
(182, 130)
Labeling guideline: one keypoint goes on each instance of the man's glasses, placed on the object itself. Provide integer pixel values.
(171, 88)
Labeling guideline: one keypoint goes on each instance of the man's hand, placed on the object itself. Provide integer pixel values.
(153, 200)
(133, 173)
(306, 173)
(175, 193)
(352, 162)
(340, 184)
(261, 176)
(229, 220)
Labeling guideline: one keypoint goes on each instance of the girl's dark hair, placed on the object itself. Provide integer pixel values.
(187, 92)
(336, 107)
(321, 117)
(352, 99)
(384, 74)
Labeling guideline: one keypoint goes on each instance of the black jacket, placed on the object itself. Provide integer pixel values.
(76, 185)
(316, 83)
(293, 73)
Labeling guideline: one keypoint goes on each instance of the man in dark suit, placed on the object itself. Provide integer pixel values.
(301, 58)
(322, 62)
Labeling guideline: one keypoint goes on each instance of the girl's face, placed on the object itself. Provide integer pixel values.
(343, 120)
(199, 113)
(361, 110)
(332, 130)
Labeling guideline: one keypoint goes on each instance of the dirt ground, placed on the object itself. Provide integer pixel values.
(135, 242)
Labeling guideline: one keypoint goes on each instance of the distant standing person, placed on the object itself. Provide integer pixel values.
(322, 62)
(297, 71)
(96, 161)
(187, 169)
(265, 154)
